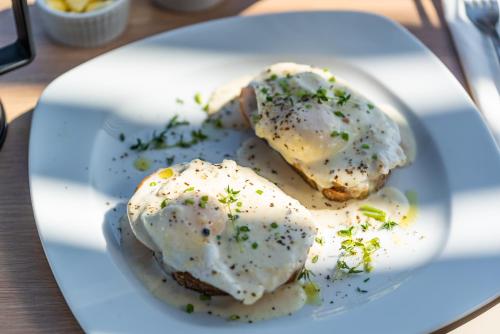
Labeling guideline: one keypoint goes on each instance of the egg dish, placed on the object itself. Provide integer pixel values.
(221, 229)
(340, 142)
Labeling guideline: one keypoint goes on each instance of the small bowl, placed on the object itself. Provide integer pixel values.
(187, 5)
(85, 29)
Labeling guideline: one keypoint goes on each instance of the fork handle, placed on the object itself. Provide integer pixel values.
(496, 43)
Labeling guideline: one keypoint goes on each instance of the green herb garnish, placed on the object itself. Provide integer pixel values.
(389, 225)
(203, 201)
(174, 123)
(370, 211)
(346, 233)
(188, 201)
(342, 96)
(170, 160)
(188, 189)
(358, 289)
(189, 308)
(205, 297)
(319, 240)
(315, 259)
(305, 274)
(164, 203)
(197, 98)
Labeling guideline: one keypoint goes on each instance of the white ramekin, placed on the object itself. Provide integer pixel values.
(85, 29)
(187, 5)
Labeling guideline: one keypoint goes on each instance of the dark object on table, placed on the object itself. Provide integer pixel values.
(17, 54)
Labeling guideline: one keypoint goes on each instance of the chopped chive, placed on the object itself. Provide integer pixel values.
(346, 233)
(319, 240)
(152, 184)
(274, 225)
(370, 106)
(389, 225)
(374, 156)
(256, 118)
(315, 259)
(358, 289)
(255, 245)
(258, 191)
(189, 201)
(197, 98)
(164, 203)
(189, 189)
(170, 160)
(344, 136)
(205, 297)
(334, 134)
(369, 208)
(376, 216)
(365, 146)
(332, 79)
(244, 228)
(339, 114)
(189, 308)
(233, 317)
(366, 279)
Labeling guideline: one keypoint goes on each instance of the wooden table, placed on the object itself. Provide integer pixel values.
(30, 300)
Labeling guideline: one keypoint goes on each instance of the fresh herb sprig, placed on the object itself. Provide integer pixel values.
(305, 274)
(228, 199)
(159, 140)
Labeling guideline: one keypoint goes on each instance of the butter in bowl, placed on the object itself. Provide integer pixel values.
(83, 23)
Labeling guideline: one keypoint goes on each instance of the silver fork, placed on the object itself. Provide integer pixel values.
(484, 15)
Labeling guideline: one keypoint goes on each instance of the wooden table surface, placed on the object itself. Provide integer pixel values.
(30, 300)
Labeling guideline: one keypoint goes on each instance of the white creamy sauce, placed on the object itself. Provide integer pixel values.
(256, 154)
(284, 301)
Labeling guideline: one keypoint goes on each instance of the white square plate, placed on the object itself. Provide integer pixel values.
(76, 183)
